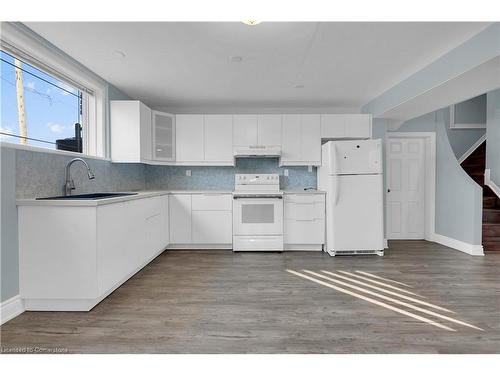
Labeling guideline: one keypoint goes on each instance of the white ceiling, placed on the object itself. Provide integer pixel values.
(171, 64)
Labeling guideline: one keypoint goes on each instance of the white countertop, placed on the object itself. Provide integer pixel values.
(140, 195)
(302, 191)
(91, 202)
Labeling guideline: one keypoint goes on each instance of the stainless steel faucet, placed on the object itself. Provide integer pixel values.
(70, 184)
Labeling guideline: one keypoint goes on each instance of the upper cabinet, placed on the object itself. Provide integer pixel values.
(130, 131)
(140, 135)
(301, 140)
(269, 130)
(244, 130)
(204, 139)
(189, 138)
(352, 126)
(256, 130)
(163, 136)
(218, 144)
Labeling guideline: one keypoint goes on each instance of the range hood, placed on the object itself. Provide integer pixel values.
(257, 151)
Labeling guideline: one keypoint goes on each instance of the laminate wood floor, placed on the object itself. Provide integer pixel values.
(220, 302)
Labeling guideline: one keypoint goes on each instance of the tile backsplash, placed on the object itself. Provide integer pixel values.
(222, 178)
(40, 174)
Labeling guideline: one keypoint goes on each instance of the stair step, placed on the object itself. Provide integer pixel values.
(491, 246)
(491, 215)
(491, 239)
(491, 230)
(476, 173)
(491, 201)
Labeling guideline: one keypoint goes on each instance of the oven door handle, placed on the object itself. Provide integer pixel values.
(257, 197)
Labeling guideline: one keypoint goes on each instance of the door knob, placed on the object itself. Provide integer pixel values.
(388, 190)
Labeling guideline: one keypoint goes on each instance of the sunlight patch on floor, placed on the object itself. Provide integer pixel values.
(380, 293)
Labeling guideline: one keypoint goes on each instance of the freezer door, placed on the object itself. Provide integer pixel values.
(355, 157)
(355, 217)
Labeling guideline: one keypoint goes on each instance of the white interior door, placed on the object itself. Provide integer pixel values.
(405, 188)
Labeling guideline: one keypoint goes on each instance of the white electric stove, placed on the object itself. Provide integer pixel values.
(257, 213)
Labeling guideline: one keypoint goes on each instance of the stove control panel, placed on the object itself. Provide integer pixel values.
(270, 181)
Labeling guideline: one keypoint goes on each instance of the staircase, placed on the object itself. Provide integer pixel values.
(475, 165)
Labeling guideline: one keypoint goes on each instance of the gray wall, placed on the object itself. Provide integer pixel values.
(9, 256)
(458, 197)
(493, 136)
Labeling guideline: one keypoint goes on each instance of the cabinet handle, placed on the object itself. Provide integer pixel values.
(152, 216)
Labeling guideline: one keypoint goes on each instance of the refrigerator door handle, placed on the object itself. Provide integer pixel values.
(337, 191)
(335, 159)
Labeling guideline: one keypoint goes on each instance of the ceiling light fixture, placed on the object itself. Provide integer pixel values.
(120, 54)
(235, 59)
(251, 23)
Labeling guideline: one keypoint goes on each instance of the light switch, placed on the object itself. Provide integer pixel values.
(188, 172)
(286, 172)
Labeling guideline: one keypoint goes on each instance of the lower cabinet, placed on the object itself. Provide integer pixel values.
(72, 257)
(212, 227)
(201, 220)
(304, 221)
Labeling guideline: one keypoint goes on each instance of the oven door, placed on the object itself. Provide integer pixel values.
(257, 216)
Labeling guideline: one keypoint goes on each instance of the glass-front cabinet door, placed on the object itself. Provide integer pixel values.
(163, 136)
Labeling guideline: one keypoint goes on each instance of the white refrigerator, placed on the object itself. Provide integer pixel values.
(351, 175)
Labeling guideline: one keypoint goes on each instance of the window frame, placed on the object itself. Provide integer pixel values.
(19, 41)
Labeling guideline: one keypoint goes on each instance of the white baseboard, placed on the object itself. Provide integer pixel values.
(472, 149)
(491, 184)
(177, 246)
(464, 247)
(11, 308)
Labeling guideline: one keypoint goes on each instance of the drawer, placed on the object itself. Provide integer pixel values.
(304, 198)
(304, 211)
(258, 243)
(212, 202)
(304, 232)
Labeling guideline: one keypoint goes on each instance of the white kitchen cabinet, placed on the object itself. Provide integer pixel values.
(163, 136)
(212, 227)
(201, 220)
(189, 138)
(245, 130)
(304, 221)
(351, 126)
(180, 218)
(131, 138)
(218, 142)
(73, 256)
(204, 139)
(212, 202)
(291, 150)
(301, 140)
(311, 139)
(269, 130)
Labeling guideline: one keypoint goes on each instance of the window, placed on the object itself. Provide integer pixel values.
(37, 108)
(58, 93)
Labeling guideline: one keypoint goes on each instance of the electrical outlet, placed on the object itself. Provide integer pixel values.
(309, 168)
(286, 172)
(188, 172)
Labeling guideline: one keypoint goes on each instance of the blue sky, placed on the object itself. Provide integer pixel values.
(50, 112)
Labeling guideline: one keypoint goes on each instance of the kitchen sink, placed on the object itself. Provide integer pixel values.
(91, 196)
